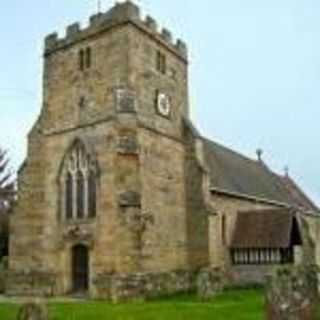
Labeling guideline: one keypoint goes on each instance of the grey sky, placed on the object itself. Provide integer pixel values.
(254, 75)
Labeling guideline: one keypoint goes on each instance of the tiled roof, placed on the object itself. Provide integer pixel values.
(276, 228)
(297, 195)
(233, 172)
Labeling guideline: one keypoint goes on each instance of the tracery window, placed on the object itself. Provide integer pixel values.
(80, 184)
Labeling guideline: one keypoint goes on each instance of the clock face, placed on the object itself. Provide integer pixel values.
(164, 106)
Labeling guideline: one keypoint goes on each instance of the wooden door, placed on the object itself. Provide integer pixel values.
(80, 268)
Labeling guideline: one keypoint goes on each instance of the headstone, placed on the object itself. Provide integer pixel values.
(292, 294)
(210, 282)
(33, 311)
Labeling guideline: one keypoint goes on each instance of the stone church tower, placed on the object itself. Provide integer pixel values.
(111, 183)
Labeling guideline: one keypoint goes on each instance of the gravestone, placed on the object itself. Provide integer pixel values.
(292, 294)
(33, 311)
(210, 282)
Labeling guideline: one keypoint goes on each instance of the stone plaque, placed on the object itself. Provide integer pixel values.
(125, 101)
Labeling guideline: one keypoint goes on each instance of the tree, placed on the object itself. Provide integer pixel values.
(7, 195)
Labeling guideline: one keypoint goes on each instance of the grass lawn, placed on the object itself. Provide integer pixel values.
(231, 305)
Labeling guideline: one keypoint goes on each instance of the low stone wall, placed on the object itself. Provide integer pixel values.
(31, 283)
(126, 287)
(250, 274)
(117, 287)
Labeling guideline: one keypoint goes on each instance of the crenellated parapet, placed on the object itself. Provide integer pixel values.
(126, 12)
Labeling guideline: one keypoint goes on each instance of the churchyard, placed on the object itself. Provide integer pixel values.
(231, 305)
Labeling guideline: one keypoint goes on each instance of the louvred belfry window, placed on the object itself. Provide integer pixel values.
(85, 59)
(81, 60)
(161, 62)
(80, 184)
(88, 57)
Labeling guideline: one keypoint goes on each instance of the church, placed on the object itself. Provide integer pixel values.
(120, 190)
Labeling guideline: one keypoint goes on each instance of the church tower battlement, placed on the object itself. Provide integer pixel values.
(118, 64)
(121, 13)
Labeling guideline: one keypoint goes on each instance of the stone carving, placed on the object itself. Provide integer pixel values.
(127, 145)
(139, 226)
(77, 233)
(33, 311)
(125, 101)
(137, 223)
(292, 294)
(130, 199)
(210, 282)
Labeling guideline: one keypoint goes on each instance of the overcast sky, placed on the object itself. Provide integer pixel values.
(254, 72)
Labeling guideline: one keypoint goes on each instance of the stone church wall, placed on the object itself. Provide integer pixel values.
(198, 211)
(163, 196)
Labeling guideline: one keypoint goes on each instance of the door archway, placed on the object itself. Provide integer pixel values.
(80, 268)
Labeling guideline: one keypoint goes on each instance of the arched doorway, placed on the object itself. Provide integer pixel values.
(80, 268)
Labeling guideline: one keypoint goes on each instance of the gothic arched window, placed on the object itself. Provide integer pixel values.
(80, 184)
